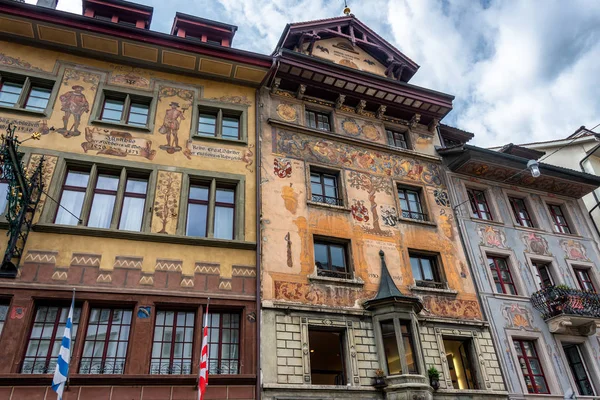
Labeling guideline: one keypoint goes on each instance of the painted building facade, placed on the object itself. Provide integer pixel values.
(148, 146)
(535, 258)
(362, 267)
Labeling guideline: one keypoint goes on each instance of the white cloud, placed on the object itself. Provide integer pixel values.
(520, 71)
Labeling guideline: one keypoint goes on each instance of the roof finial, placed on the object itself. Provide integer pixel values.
(346, 8)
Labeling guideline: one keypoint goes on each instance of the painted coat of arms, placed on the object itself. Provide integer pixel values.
(536, 244)
(492, 237)
(282, 167)
(359, 211)
(574, 250)
(389, 215)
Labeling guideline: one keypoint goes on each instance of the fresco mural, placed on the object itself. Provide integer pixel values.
(282, 167)
(170, 126)
(166, 204)
(372, 184)
(10, 61)
(536, 244)
(361, 129)
(116, 143)
(491, 237)
(73, 103)
(574, 250)
(48, 168)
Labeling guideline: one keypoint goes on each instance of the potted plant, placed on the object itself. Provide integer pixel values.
(378, 380)
(434, 377)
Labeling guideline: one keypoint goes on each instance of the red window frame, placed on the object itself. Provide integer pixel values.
(225, 205)
(185, 367)
(584, 279)
(546, 281)
(556, 212)
(105, 341)
(72, 188)
(103, 191)
(498, 262)
(397, 139)
(317, 120)
(3, 315)
(526, 359)
(519, 207)
(216, 337)
(56, 329)
(485, 214)
(135, 195)
(201, 202)
(139, 103)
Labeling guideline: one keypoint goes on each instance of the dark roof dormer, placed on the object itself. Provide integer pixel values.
(347, 41)
(120, 12)
(453, 136)
(203, 30)
(520, 151)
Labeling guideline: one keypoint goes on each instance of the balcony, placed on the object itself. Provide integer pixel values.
(568, 311)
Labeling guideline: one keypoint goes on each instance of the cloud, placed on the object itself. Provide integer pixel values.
(520, 71)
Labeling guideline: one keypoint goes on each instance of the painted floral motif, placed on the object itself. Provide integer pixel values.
(371, 132)
(372, 184)
(536, 244)
(517, 317)
(183, 94)
(282, 167)
(130, 79)
(78, 75)
(166, 204)
(354, 128)
(241, 100)
(16, 62)
(335, 296)
(287, 112)
(312, 149)
(47, 171)
(389, 215)
(359, 211)
(574, 250)
(463, 309)
(350, 127)
(492, 237)
(441, 198)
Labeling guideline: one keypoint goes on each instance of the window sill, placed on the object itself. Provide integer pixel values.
(528, 229)
(444, 292)
(24, 111)
(487, 221)
(243, 142)
(328, 206)
(143, 236)
(310, 387)
(336, 281)
(511, 297)
(144, 129)
(566, 235)
(416, 221)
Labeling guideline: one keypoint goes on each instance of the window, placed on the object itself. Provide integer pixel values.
(426, 270)
(214, 41)
(46, 337)
(172, 344)
(584, 279)
(461, 364)
(26, 93)
(531, 366)
(326, 357)
(3, 314)
(410, 203)
(214, 199)
(543, 277)
(578, 369)
(106, 340)
(324, 188)
(520, 212)
(330, 260)
(100, 207)
(479, 204)
(121, 108)
(558, 218)
(223, 343)
(396, 139)
(3, 194)
(134, 201)
(317, 120)
(219, 123)
(502, 276)
(400, 356)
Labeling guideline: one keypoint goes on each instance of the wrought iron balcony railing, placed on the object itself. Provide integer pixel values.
(414, 215)
(553, 301)
(332, 201)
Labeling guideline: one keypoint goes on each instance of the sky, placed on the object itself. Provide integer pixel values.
(521, 71)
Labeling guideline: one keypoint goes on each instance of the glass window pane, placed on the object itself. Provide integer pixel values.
(416, 269)
(79, 179)
(316, 189)
(136, 186)
(224, 222)
(196, 220)
(112, 110)
(338, 261)
(225, 196)
(321, 257)
(3, 196)
(38, 98)
(9, 93)
(102, 210)
(72, 201)
(427, 269)
(107, 182)
(132, 214)
(390, 347)
(199, 193)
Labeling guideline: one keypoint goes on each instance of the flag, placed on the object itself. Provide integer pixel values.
(64, 356)
(203, 378)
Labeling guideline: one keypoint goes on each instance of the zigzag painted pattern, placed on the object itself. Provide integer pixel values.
(59, 276)
(225, 285)
(168, 265)
(86, 260)
(146, 280)
(129, 262)
(207, 269)
(187, 282)
(104, 278)
(244, 271)
(41, 257)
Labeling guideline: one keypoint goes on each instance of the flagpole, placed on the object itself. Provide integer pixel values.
(73, 341)
(199, 381)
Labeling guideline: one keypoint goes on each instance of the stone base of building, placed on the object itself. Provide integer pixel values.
(318, 392)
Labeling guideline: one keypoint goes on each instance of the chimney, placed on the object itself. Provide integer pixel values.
(47, 3)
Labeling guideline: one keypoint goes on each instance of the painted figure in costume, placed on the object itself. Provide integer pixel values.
(73, 103)
(170, 127)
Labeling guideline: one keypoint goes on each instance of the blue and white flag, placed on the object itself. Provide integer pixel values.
(64, 356)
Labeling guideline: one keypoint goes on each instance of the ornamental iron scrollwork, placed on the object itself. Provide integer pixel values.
(23, 196)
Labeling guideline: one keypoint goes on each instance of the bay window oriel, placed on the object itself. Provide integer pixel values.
(397, 345)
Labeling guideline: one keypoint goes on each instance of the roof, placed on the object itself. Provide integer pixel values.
(206, 21)
(521, 151)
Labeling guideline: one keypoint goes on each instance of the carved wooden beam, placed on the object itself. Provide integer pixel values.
(361, 106)
(380, 111)
(433, 125)
(340, 101)
(300, 91)
(414, 121)
(275, 86)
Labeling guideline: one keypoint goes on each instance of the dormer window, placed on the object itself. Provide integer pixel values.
(131, 15)
(203, 30)
(213, 41)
